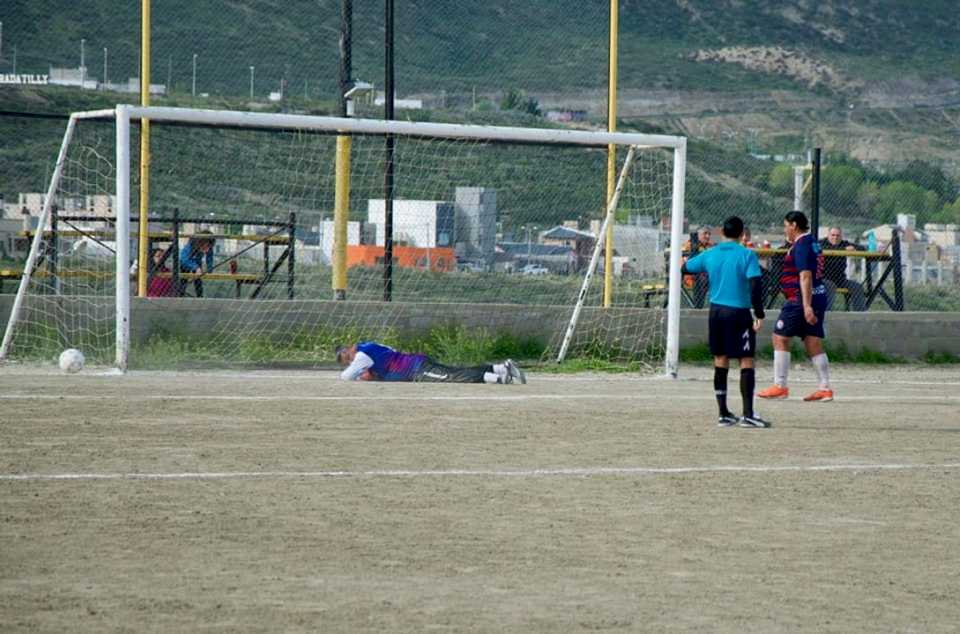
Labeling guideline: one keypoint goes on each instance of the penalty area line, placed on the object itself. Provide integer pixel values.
(576, 472)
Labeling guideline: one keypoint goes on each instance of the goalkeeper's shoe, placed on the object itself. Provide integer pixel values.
(727, 420)
(774, 391)
(821, 395)
(515, 373)
(754, 422)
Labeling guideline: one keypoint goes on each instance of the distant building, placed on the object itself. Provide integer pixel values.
(132, 85)
(416, 223)
(79, 77)
(566, 116)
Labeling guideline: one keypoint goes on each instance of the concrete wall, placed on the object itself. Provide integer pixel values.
(908, 335)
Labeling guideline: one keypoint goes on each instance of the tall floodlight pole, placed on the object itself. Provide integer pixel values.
(341, 202)
(611, 151)
(142, 244)
(83, 64)
(251, 83)
(1, 39)
(104, 66)
(389, 152)
(193, 90)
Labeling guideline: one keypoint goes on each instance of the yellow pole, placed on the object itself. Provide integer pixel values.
(341, 204)
(611, 154)
(142, 255)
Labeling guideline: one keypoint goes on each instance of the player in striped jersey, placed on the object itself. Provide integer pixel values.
(801, 281)
(372, 361)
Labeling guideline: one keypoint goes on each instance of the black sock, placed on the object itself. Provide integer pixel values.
(720, 389)
(747, 383)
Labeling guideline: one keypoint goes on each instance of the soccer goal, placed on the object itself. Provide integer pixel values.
(492, 231)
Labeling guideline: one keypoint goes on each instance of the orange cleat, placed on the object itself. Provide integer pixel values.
(774, 391)
(820, 395)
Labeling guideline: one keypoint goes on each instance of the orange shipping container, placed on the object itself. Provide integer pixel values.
(441, 259)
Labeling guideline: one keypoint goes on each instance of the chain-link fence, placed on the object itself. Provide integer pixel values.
(539, 64)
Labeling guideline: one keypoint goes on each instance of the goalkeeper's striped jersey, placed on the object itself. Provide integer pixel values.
(390, 365)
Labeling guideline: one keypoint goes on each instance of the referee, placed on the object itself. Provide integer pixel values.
(735, 285)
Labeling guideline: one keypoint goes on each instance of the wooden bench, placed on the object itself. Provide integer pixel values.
(239, 278)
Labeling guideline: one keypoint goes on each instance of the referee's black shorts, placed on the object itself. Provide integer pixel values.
(731, 332)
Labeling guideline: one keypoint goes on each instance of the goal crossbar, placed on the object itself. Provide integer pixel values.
(407, 128)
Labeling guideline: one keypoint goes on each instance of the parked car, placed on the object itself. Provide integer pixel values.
(534, 269)
(470, 267)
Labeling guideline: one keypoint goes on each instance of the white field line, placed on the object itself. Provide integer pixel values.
(892, 398)
(332, 375)
(576, 472)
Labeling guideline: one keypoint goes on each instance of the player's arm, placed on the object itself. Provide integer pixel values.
(692, 266)
(755, 276)
(806, 295)
(360, 364)
(756, 297)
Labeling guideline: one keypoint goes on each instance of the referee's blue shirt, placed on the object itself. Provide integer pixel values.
(730, 267)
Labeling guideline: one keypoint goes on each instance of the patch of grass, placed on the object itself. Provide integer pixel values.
(699, 353)
(573, 366)
(940, 358)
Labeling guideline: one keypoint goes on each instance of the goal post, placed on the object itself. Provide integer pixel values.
(486, 218)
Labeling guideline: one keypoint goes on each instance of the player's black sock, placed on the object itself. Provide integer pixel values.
(720, 389)
(747, 383)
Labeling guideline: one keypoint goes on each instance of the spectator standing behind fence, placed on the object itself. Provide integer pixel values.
(835, 270)
(700, 283)
(159, 286)
(197, 257)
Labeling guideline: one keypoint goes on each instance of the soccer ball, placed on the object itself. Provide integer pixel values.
(71, 360)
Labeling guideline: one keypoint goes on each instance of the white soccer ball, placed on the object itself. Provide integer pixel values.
(71, 360)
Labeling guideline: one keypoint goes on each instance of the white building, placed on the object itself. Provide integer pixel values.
(79, 77)
(416, 223)
(638, 245)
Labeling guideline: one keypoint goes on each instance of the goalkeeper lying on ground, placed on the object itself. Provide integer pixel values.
(371, 361)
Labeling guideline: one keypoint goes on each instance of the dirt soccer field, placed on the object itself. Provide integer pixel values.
(290, 501)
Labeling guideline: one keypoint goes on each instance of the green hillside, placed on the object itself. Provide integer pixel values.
(543, 45)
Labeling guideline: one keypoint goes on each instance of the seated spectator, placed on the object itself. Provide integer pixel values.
(197, 257)
(835, 270)
(698, 283)
(159, 286)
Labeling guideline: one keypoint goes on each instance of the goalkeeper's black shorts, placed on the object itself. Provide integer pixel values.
(731, 332)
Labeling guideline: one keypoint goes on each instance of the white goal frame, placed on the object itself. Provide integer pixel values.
(123, 114)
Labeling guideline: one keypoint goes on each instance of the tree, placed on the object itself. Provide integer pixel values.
(867, 197)
(901, 197)
(839, 185)
(514, 99)
(950, 214)
(929, 177)
(780, 181)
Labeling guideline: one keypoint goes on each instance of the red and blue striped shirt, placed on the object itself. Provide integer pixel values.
(804, 255)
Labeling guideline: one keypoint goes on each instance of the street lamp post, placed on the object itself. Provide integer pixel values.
(83, 65)
(251, 83)
(193, 90)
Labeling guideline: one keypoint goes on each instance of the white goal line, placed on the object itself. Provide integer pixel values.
(576, 472)
(879, 398)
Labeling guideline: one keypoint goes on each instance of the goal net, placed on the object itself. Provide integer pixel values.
(267, 236)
